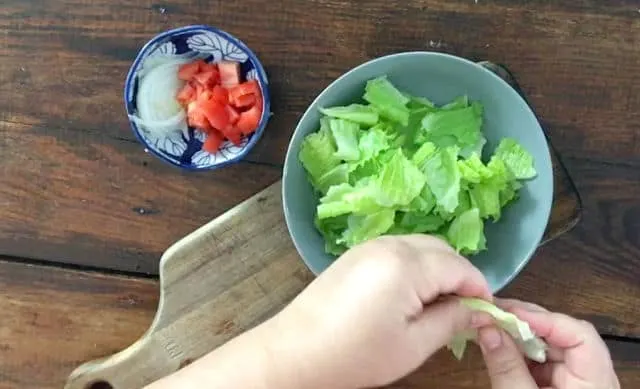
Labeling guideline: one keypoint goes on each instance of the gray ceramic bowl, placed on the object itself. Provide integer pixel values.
(439, 77)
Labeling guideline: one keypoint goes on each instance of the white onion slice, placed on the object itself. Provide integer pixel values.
(158, 110)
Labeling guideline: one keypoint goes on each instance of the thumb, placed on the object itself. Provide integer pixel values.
(505, 363)
(438, 323)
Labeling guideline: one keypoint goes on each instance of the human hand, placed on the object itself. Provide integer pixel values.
(577, 357)
(377, 313)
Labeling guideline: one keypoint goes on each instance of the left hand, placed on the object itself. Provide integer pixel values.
(376, 314)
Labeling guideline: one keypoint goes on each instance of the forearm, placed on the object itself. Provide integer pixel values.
(247, 361)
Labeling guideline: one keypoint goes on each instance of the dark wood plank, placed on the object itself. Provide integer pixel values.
(89, 49)
(576, 60)
(93, 200)
(88, 315)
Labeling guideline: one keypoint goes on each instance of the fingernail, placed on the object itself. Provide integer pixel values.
(490, 338)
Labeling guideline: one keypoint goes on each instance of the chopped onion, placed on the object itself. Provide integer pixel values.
(158, 110)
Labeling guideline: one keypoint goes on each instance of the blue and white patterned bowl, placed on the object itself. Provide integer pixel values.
(184, 148)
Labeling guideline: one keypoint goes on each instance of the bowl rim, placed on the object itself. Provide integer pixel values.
(262, 82)
(289, 157)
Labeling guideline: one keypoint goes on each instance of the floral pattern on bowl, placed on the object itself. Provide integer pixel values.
(184, 148)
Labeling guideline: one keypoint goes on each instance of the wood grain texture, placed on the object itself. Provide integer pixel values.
(233, 273)
(576, 60)
(54, 319)
(57, 226)
(93, 200)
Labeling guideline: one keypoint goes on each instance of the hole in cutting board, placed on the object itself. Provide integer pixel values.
(100, 385)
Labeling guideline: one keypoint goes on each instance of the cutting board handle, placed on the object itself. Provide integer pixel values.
(215, 283)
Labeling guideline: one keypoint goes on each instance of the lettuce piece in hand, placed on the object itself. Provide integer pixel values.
(357, 113)
(317, 154)
(387, 100)
(399, 182)
(516, 158)
(364, 227)
(466, 232)
(533, 347)
(345, 135)
(443, 177)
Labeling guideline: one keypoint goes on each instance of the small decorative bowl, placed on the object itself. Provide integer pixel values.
(184, 148)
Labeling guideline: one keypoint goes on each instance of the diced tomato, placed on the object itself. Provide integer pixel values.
(209, 67)
(186, 95)
(245, 101)
(233, 134)
(249, 120)
(207, 79)
(220, 94)
(205, 96)
(229, 73)
(246, 88)
(198, 87)
(215, 113)
(197, 119)
(188, 70)
(233, 114)
(244, 95)
(213, 142)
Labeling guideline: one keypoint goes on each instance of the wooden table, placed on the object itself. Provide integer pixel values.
(86, 213)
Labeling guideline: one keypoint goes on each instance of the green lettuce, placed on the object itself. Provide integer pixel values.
(387, 100)
(533, 347)
(443, 177)
(318, 155)
(361, 228)
(345, 135)
(399, 182)
(395, 163)
(357, 113)
(466, 232)
(517, 159)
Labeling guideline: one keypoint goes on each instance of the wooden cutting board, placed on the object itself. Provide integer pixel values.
(234, 273)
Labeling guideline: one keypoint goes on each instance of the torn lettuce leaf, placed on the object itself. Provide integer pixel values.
(533, 347)
(460, 126)
(345, 136)
(361, 228)
(516, 158)
(317, 154)
(443, 177)
(344, 199)
(336, 176)
(357, 113)
(399, 182)
(466, 232)
(387, 100)
(395, 163)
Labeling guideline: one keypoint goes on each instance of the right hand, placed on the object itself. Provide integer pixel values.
(577, 357)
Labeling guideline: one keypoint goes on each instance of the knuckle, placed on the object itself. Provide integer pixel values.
(588, 327)
(505, 367)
